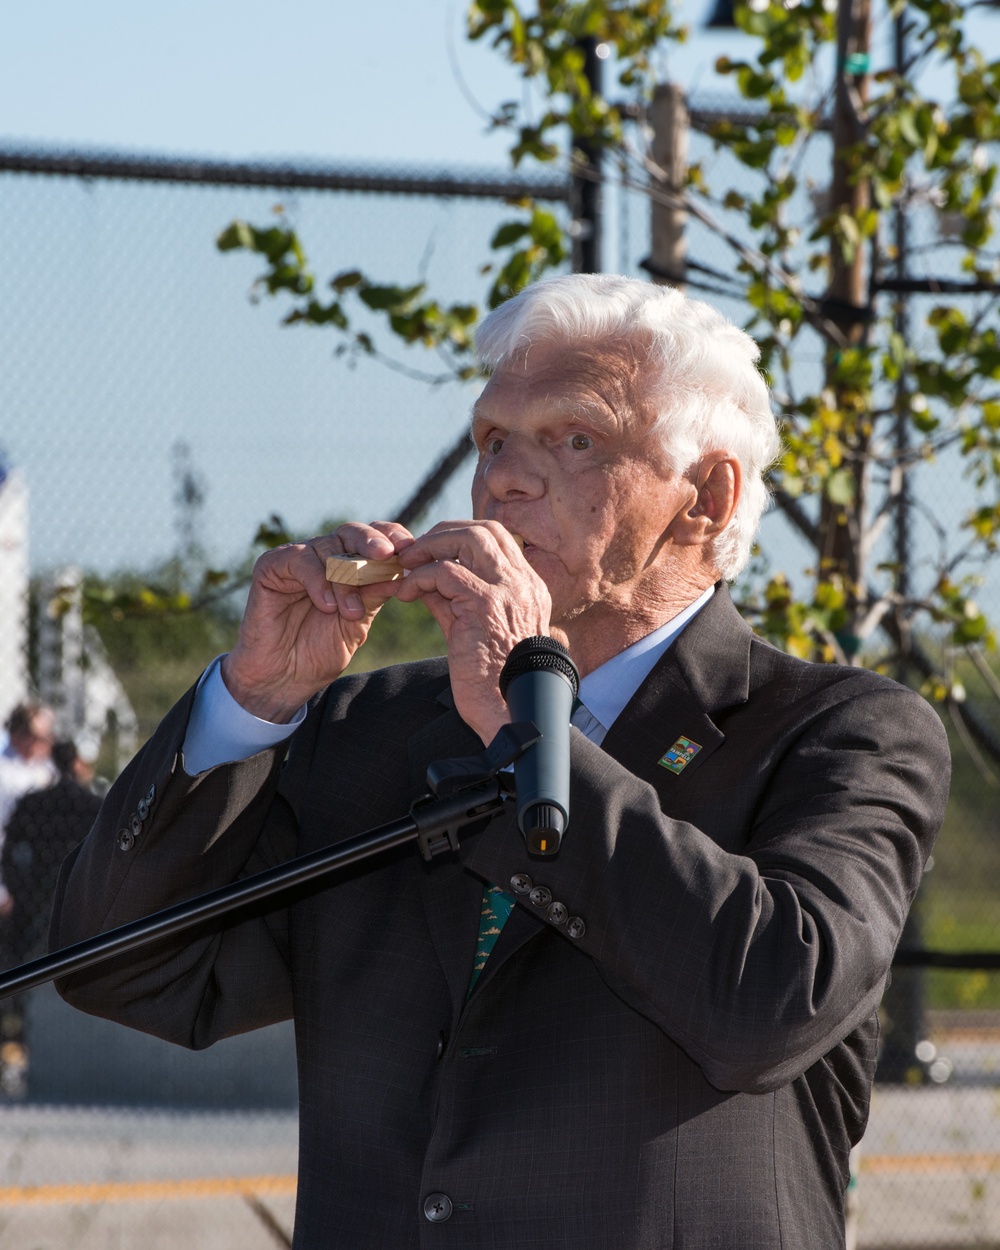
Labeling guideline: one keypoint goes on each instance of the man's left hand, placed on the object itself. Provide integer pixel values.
(486, 597)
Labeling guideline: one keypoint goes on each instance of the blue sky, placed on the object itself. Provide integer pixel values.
(235, 79)
(123, 330)
(317, 78)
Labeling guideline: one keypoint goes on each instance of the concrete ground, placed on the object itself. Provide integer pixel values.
(103, 1179)
(929, 1169)
(212, 1167)
(118, 1179)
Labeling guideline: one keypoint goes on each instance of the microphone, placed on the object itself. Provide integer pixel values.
(539, 682)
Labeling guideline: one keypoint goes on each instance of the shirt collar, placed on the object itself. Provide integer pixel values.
(608, 688)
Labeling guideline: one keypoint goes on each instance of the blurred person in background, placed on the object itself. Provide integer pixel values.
(43, 828)
(25, 765)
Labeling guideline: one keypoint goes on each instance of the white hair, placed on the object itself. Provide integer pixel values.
(702, 377)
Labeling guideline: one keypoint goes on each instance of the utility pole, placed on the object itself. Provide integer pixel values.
(903, 1005)
(847, 295)
(846, 305)
(587, 188)
(668, 115)
(902, 328)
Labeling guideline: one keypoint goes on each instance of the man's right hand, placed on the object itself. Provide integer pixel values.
(299, 631)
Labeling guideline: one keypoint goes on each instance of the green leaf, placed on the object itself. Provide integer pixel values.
(840, 488)
(925, 421)
(509, 233)
(387, 298)
(908, 128)
(346, 280)
(236, 235)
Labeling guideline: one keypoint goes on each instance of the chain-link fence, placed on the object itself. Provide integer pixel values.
(154, 419)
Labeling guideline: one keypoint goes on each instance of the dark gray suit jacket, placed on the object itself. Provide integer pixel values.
(689, 1072)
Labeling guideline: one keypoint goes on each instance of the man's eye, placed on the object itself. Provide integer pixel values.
(493, 445)
(580, 442)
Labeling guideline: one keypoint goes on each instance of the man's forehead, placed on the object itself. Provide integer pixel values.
(569, 399)
(563, 378)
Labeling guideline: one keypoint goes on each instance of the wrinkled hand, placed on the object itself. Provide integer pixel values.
(299, 631)
(486, 597)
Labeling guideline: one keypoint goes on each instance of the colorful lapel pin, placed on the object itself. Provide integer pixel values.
(680, 755)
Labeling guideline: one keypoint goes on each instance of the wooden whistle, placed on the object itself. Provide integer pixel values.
(349, 570)
(355, 571)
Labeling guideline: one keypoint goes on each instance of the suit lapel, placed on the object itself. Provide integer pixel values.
(705, 671)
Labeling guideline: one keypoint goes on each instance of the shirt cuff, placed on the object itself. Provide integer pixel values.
(221, 731)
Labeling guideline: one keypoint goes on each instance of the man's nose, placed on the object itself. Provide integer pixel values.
(514, 472)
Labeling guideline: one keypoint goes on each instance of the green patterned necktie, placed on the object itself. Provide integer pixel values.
(497, 906)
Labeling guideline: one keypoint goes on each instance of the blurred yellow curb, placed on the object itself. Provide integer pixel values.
(148, 1191)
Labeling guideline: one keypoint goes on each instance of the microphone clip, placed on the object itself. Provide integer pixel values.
(468, 788)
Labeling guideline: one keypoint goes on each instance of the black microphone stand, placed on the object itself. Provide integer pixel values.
(464, 791)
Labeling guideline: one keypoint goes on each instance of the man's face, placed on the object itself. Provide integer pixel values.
(568, 464)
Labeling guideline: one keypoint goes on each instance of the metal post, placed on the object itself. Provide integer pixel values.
(903, 1006)
(902, 327)
(840, 547)
(587, 189)
(671, 125)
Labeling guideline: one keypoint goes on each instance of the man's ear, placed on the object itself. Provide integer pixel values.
(717, 480)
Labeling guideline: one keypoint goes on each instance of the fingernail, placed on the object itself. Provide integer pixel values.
(330, 599)
(354, 603)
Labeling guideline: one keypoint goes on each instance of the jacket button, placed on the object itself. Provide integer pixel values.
(142, 809)
(125, 840)
(575, 927)
(437, 1208)
(521, 883)
(151, 793)
(557, 913)
(541, 896)
(442, 1042)
(135, 824)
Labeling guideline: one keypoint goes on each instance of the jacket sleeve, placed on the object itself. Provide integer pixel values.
(161, 838)
(758, 961)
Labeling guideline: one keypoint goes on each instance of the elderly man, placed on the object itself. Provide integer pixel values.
(671, 1042)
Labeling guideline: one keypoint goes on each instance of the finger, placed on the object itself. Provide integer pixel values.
(355, 602)
(447, 579)
(377, 541)
(441, 610)
(290, 573)
(397, 534)
(318, 588)
(483, 546)
(300, 568)
(290, 569)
